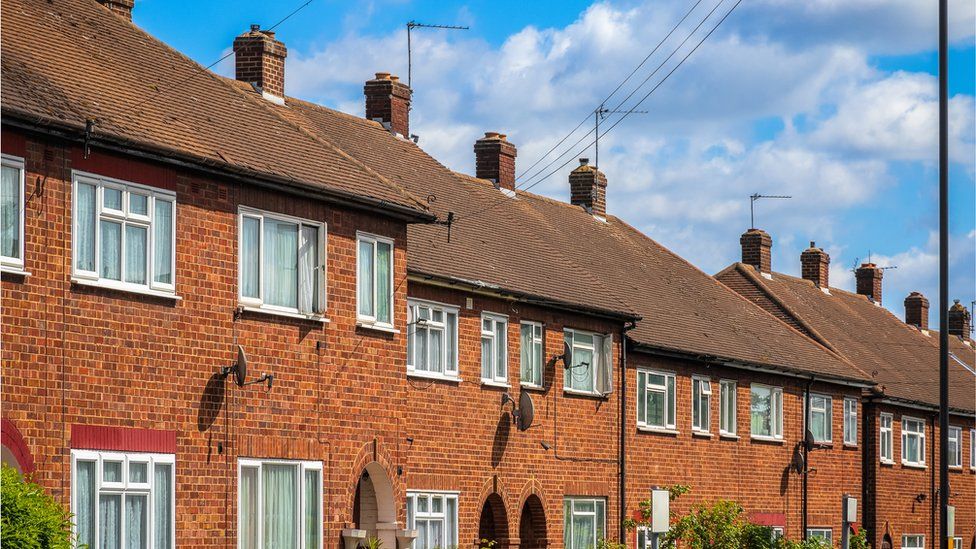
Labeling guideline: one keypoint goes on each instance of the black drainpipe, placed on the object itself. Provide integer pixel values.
(622, 478)
(806, 452)
(934, 502)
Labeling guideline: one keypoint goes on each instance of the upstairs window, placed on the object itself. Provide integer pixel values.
(279, 504)
(850, 421)
(701, 400)
(434, 515)
(655, 400)
(584, 522)
(494, 348)
(592, 369)
(887, 437)
(727, 409)
(12, 214)
(124, 235)
(818, 419)
(766, 411)
(531, 353)
(955, 447)
(282, 263)
(432, 339)
(374, 280)
(912, 441)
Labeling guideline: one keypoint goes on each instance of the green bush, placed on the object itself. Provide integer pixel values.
(30, 518)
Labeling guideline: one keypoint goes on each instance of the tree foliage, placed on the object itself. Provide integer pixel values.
(29, 517)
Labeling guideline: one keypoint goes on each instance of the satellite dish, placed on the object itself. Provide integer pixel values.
(809, 440)
(567, 355)
(526, 411)
(240, 368)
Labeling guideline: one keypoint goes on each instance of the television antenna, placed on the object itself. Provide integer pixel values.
(600, 113)
(752, 205)
(415, 25)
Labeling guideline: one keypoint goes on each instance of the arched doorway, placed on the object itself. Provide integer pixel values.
(374, 510)
(532, 524)
(886, 542)
(493, 525)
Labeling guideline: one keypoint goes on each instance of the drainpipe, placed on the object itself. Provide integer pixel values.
(934, 502)
(806, 452)
(622, 478)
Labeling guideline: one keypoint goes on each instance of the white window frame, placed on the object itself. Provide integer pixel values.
(920, 435)
(972, 449)
(124, 488)
(886, 433)
(775, 410)
(957, 542)
(125, 218)
(598, 349)
(495, 319)
(371, 320)
(827, 409)
(597, 501)
(413, 514)
(16, 264)
(823, 533)
(917, 541)
(728, 387)
(321, 282)
(850, 421)
(669, 400)
(413, 322)
(302, 466)
(538, 338)
(955, 456)
(701, 394)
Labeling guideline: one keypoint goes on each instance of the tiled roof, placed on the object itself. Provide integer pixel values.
(66, 61)
(903, 361)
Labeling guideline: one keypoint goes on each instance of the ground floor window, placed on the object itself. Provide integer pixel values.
(825, 534)
(913, 541)
(280, 504)
(585, 522)
(123, 500)
(434, 515)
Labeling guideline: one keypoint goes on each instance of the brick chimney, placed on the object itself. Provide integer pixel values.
(122, 8)
(260, 61)
(757, 248)
(588, 188)
(495, 160)
(959, 320)
(388, 101)
(868, 277)
(917, 310)
(815, 265)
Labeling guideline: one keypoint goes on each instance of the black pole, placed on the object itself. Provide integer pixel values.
(943, 275)
(806, 456)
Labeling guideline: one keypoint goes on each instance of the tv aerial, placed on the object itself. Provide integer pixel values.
(523, 413)
(416, 25)
(752, 205)
(239, 369)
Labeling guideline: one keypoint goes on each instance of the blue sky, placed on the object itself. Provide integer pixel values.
(832, 102)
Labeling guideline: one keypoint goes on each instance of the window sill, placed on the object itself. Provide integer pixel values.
(728, 436)
(286, 314)
(495, 384)
(15, 271)
(532, 387)
(910, 465)
(124, 288)
(955, 467)
(657, 430)
(701, 434)
(887, 463)
(850, 445)
(433, 376)
(761, 438)
(387, 328)
(575, 392)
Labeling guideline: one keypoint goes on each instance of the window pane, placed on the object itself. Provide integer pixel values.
(583, 367)
(138, 204)
(313, 515)
(641, 397)
(384, 266)
(366, 279)
(422, 352)
(501, 358)
(135, 254)
(761, 411)
(436, 533)
(450, 528)
(112, 198)
(138, 472)
(248, 526)
(85, 227)
(111, 242)
(436, 350)
(670, 411)
(525, 353)
(281, 263)
(450, 339)
(109, 521)
(280, 509)
(250, 257)
(136, 522)
(162, 505)
(584, 530)
(163, 244)
(486, 357)
(601, 510)
(112, 471)
(85, 501)
(308, 257)
(10, 212)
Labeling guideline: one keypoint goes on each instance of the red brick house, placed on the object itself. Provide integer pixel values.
(900, 419)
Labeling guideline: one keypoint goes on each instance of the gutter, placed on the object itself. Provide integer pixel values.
(166, 155)
(917, 405)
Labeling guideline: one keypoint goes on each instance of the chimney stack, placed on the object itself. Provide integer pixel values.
(495, 160)
(757, 248)
(260, 61)
(588, 188)
(388, 101)
(917, 310)
(868, 277)
(815, 265)
(122, 8)
(959, 320)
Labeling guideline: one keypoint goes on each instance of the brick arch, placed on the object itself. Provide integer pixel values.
(13, 440)
(531, 505)
(372, 456)
(494, 499)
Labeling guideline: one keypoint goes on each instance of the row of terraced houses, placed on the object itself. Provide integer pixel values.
(394, 314)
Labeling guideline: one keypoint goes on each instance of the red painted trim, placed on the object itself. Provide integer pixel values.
(768, 519)
(14, 441)
(97, 437)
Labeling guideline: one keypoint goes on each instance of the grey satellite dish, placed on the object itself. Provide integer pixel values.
(567, 355)
(239, 369)
(809, 440)
(526, 411)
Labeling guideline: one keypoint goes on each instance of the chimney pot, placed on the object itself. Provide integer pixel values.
(255, 28)
(960, 320)
(584, 161)
(588, 188)
(917, 310)
(495, 160)
(868, 277)
(268, 74)
(388, 100)
(757, 248)
(815, 265)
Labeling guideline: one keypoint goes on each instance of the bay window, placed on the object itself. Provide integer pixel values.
(531, 353)
(584, 522)
(494, 348)
(432, 339)
(12, 204)
(123, 499)
(912, 441)
(591, 371)
(279, 504)
(727, 410)
(766, 411)
(282, 263)
(123, 235)
(434, 515)
(819, 418)
(655, 400)
(850, 421)
(886, 434)
(701, 399)
(374, 280)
